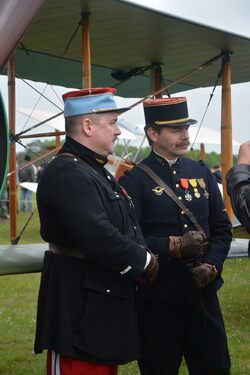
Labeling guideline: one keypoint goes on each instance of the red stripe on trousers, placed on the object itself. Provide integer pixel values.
(69, 366)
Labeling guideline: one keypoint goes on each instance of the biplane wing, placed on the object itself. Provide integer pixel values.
(127, 40)
(125, 36)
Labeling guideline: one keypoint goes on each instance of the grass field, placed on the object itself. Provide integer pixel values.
(18, 298)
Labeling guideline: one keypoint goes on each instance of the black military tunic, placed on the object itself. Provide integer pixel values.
(86, 307)
(238, 179)
(170, 301)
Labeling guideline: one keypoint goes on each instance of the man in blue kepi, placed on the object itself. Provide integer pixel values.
(87, 319)
(180, 315)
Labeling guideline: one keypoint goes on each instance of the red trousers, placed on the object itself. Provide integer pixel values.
(60, 365)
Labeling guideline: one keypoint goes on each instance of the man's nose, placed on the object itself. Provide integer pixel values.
(185, 133)
(117, 130)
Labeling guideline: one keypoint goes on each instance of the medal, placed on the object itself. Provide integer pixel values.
(194, 184)
(188, 196)
(202, 184)
(184, 184)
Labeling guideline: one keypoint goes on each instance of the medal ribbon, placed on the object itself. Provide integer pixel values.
(193, 182)
(201, 182)
(184, 183)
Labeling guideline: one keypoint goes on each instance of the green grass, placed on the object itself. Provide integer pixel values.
(18, 299)
(18, 296)
(31, 232)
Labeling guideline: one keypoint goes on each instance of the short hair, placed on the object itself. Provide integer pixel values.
(71, 123)
(158, 130)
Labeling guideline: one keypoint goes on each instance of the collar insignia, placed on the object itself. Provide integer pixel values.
(100, 161)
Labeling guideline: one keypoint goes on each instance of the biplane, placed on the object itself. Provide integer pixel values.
(140, 49)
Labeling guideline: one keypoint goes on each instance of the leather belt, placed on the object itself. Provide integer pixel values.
(57, 249)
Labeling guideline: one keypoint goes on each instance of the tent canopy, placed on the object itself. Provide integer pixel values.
(206, 136)
(58, 122)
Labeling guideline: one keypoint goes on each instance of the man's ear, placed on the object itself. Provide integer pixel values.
(152, 134)
(87, 126)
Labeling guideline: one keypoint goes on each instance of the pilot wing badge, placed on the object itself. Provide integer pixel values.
(158, 190)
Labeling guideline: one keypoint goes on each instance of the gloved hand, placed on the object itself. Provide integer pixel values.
(202, 275)
(188, 246)
(150, 272)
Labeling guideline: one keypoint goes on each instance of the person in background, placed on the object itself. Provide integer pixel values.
(216, 170)
(238, 186)
(87, 316)
(27, 174)
(40, 170)
(180, 315)
(4, 209)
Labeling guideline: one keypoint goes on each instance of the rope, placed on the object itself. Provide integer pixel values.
(40, 123)
(39, 92)
(83, 15)
(13, 138)
(35, 160)
(206, 63)
(219, 75)
(16, 240)
(40, 71)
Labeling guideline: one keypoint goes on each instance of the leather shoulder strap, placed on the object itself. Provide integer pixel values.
(171, 194)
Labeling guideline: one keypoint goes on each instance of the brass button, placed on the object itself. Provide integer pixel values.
(185, 225)
(182, 212)
(180, 198)
(177, 185)
(174, 172)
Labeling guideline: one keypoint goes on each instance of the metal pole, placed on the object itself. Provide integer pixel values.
(12, 162)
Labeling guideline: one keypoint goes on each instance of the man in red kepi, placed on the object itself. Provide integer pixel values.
(179, 314)
(86, 316)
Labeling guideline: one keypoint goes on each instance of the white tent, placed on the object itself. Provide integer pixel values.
(197, 136)
(38, 115)
(136, 129)
(58, 123)
(206, 136)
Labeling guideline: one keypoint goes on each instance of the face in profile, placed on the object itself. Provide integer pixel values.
(105, 132)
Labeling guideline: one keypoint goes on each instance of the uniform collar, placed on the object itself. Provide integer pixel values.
(161, 159)
(84, 153)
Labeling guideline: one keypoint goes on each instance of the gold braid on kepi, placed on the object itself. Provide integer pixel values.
(167, 112)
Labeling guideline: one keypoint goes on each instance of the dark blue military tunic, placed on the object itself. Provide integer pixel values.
(160, 217)
(86, 306)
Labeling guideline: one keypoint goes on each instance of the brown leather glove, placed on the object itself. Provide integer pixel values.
(188, 246)
(150, 272)
(202, 275)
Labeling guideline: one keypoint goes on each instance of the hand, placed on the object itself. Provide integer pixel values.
(188, 246)
(244, 153)
(202, 275)
(150, 272)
